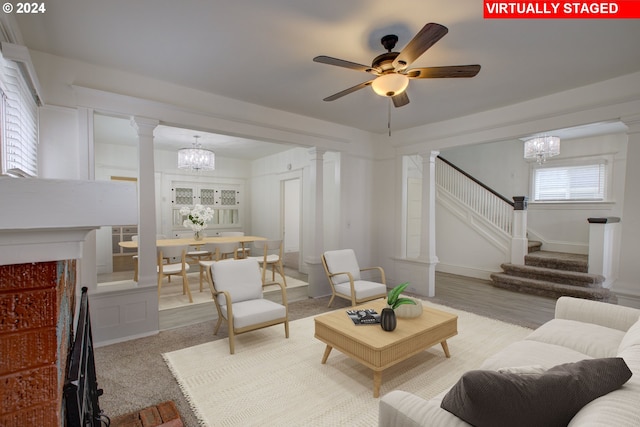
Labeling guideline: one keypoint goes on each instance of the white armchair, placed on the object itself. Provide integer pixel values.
(236, 286)
(343, 272)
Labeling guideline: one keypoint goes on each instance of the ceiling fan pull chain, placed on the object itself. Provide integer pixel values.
(389, 117)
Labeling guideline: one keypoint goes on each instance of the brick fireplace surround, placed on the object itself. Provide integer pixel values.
(36, 313)
(43, 226)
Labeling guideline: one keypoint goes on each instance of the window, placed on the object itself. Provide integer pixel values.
(577, 182)
(19, 123)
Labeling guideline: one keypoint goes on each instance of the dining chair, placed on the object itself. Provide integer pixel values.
(343, 272)
(180, 267)
(219, 251)
(134, 238)
(270, 256)
(236, 287)
(197, 253)
(242, 251)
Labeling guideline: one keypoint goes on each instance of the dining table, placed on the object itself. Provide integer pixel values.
(133, 244)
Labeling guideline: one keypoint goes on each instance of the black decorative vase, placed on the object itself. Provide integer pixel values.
(388, 319)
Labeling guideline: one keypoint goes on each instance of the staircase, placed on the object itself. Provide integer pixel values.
(553, 274)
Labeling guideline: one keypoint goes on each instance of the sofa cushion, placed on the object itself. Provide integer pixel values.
(593, 340)
(402, 409)
(522, 353)
(620, 407)
(489, 398)
(631, 338)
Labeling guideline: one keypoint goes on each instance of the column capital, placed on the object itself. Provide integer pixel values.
(429, 156)
(316, 153)
(632, 122)
(143, 125)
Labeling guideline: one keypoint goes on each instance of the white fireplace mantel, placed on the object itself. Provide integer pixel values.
(47, 220)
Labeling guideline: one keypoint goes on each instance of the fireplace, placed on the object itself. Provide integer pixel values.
(43, 224)
(36, 308)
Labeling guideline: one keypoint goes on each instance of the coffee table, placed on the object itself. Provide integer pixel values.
(379, 349)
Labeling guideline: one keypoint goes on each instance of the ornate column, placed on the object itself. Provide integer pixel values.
(427, 286)
(147, 274)
(519, 241)
(629, 268)
(314, 241)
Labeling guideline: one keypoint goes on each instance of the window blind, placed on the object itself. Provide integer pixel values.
(20, 123)
(584, 182)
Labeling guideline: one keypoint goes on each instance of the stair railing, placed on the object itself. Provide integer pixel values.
(479, 197)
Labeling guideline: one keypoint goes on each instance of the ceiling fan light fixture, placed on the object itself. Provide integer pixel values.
(196, 157)
(390, 84)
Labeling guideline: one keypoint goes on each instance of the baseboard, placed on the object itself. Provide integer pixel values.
(123, 339)
(465, 271)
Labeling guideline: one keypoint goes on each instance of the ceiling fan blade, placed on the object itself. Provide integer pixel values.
(443, 72)
(426, 37)
(400, 100)
(345, 64)
(348, 91)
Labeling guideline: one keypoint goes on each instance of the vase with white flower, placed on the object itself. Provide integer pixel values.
(197, 219)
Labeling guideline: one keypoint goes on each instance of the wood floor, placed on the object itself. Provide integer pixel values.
(474, 295)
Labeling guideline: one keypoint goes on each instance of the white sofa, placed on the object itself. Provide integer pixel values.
(582, 329)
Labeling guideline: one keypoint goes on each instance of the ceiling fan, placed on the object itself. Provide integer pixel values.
(390, 68)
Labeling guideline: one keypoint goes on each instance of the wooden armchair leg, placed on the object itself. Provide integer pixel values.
(217, 327)
(331, 300)
(232, 344)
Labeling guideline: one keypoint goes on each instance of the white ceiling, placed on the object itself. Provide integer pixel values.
(260, 51)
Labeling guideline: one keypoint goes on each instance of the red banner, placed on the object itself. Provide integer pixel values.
(622, 9)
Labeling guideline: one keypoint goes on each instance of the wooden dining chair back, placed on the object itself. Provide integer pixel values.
(269, 254)
(197, 252)
(134, 238)
(218, 252)
(343, 272)
(177, 265)
(242, 251)
(236, 287)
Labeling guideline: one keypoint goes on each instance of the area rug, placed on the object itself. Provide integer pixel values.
(171, 294)
(280, 382)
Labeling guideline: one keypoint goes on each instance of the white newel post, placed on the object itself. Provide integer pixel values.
(318, 285)
(427, 287)
(147, 258)
(603, 236)
(519, 241)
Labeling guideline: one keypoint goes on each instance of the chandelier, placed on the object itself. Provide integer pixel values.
(196, 157)
(541, 148)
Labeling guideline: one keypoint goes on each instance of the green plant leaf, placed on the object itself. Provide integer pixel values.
(395, 292)
(401, 301)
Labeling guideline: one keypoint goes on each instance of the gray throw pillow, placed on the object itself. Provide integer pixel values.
(552, 398)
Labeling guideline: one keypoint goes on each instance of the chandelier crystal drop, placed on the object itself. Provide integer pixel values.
(541, 148)
(196, 157)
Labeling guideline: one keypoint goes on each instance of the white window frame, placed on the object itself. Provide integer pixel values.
(605, 160)
(18, 123)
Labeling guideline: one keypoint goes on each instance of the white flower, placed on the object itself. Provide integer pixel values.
(197, 217)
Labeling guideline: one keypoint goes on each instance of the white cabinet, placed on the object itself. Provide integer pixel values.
(225, 199)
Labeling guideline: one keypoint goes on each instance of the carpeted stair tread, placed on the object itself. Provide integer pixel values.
(573, 278)
(550, 289)
(558, 261)
(534, 246)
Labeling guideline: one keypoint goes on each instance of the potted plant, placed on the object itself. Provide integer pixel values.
(394, 300)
